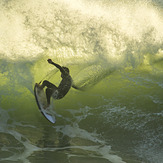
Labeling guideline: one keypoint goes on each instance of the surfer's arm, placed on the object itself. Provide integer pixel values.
(56, 65)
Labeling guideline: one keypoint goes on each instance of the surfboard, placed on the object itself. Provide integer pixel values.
(42, 103)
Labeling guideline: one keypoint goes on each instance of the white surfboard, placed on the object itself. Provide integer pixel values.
(42, 103)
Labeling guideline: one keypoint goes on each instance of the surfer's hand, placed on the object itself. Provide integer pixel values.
(50, 61)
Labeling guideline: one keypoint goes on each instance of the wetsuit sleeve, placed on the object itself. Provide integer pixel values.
(59, 67)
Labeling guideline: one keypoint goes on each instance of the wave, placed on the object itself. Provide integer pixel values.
(114, 48)
(81, 31)
(98, 38)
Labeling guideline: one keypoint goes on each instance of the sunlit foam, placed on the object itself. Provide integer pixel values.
(80, 30)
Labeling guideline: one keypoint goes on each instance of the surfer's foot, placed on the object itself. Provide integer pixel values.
(39, 86)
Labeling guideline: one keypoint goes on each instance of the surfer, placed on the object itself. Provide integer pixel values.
(64, 86)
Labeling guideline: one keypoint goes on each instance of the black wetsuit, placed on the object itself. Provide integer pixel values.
(64, 86)
(60, 91)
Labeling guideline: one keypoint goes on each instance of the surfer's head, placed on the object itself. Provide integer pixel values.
(66, 69)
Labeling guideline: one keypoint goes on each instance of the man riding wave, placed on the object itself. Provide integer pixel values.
(64, 86)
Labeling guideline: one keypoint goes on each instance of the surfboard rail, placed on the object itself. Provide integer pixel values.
(40, 98)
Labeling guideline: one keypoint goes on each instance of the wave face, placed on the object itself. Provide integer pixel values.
(114, 50)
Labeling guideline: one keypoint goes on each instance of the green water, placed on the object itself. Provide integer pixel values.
(114, 51)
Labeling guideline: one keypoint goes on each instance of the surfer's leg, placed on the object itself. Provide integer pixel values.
(49, 93)
(48, 84)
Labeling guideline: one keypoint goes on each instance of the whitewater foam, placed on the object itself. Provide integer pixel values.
(114, 36)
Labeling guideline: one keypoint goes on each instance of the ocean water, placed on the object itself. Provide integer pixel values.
(114, 50)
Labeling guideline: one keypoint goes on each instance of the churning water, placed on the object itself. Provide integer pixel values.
(114, 50)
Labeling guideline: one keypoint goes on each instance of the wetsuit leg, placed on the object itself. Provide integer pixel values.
(48, 84)
(49, 93)
(49, 90)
